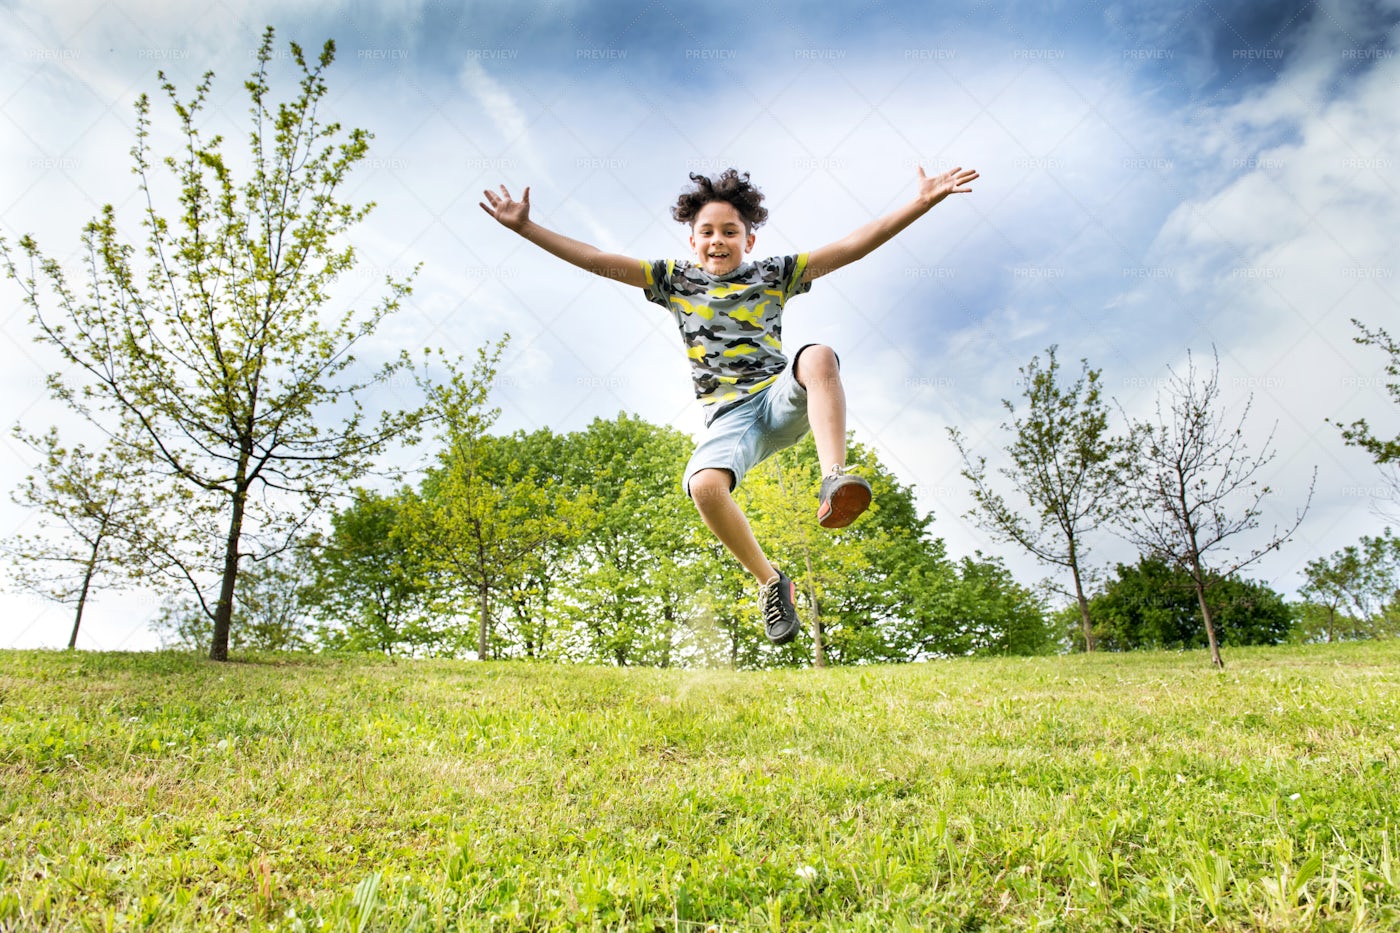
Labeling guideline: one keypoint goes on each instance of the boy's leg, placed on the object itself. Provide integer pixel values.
(843, 497)
(709, 489)
(819, 373)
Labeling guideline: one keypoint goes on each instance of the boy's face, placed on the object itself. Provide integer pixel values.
(719, 238)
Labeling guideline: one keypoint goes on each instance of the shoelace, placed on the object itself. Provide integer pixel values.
(772, 603)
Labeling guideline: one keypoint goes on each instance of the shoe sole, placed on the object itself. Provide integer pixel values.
(845, 506)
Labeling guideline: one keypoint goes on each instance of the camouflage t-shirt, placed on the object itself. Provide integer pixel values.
(732, 325)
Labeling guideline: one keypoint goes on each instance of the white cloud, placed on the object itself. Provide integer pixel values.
(511, 122)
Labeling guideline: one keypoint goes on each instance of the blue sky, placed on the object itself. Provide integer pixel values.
(1157, 178)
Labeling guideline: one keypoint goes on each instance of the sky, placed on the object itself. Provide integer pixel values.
(1160, 182)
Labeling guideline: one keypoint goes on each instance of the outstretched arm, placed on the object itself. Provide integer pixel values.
(516, 216)
(861, 241)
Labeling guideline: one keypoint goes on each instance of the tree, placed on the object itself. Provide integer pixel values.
(1194, 489)
(484, 511)
(215, 341)
(525, 625)
(1153, 604)
(369, 588)
(93, 510)
(271, 614)
(1064, 463)
(1362, 581)
(636, 564)
(1359, 433)
(994, 614)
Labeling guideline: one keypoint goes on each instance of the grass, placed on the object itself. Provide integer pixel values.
(1140, 792)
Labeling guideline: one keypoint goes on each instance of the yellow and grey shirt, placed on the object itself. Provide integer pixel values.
(732, 325)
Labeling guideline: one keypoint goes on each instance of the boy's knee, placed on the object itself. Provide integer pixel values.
(818, 363)
(709, 485)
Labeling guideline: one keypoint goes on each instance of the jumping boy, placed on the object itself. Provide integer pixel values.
(729, 312)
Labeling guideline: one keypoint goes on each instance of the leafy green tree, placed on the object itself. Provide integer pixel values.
(727, 629)
(634, 571)
(991, 613)
(1195, 488)
(1354, 591)
(1065, 465)
(531, 595)
(93, 511)
(368, 587)
(1154, 604)
(484, 510)
(215, 338)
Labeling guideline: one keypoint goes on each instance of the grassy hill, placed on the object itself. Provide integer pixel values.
(1139, 791)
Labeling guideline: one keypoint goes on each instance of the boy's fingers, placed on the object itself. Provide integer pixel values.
(525, 198)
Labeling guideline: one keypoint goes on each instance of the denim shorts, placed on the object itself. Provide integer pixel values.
(746, 435)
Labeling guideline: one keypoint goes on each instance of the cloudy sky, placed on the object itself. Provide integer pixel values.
(1158, 178)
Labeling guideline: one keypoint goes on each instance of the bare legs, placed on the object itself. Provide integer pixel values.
(817, 372)
(722, 515)
(820, 374)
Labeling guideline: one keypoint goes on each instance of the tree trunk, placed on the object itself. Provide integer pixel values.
(223, 612)
(1198, 575)
(1205, 614)
(1082, 600)
(484, 620)
(669, 614)
(83, 593)
(818, 648)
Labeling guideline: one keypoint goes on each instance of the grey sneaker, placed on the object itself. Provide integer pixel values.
(841, 500)
(775, 601)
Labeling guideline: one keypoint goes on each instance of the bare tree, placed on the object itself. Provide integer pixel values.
(1195, 488)
(1064, 463)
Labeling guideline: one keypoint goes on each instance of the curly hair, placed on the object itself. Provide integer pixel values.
(729, 186)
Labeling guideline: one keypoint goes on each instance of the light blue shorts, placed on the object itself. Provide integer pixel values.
(748, 434)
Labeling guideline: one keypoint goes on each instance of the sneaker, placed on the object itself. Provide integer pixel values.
(775, 601)
(843, 497)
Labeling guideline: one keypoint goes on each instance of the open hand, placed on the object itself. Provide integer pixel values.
(510, 212)
(954, 181)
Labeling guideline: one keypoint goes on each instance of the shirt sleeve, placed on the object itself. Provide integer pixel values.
(658, 274)
(793, 268)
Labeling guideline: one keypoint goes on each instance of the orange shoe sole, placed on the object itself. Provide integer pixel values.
(846, 504)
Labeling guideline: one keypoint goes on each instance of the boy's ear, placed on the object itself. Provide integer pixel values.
(749, 241)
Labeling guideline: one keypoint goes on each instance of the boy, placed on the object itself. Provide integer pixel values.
(729, 312)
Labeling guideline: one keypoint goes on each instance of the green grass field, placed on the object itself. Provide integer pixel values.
(1142, 791)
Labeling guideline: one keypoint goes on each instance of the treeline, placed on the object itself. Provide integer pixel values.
(583, 547)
